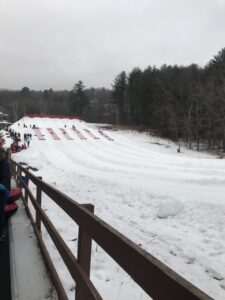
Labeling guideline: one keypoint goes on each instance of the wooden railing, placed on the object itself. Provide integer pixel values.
(154, 277)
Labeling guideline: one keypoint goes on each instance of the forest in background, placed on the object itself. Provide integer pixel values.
(182, 103)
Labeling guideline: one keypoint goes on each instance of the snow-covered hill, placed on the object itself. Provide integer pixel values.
(171, 204)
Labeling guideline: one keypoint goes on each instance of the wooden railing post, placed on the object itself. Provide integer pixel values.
(84, 254)
(26, 191)
(12, 168)
(19, 173)
(39, 200)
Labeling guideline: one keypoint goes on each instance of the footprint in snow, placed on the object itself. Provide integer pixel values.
(172, 252)
(216, 253)
(190, 260)
(212, 273)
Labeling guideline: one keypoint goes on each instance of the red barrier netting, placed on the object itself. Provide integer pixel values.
(52, 116)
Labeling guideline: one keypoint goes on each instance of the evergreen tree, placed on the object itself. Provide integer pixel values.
(119, 93)
(216, 76)
(135, 87)
(78, 99)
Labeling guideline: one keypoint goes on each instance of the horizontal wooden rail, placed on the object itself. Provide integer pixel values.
(158, 280)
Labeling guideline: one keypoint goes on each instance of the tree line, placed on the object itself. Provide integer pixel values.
(93, 105)
(177, 102)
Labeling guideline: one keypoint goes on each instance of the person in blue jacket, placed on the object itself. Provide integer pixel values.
(3, 197)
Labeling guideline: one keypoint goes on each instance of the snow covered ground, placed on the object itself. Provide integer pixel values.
(171, 204)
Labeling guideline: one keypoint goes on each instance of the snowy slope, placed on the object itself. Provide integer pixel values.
(170, 204)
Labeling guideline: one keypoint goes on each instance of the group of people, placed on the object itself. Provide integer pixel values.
(5, 186)
(25, 126)
(27, 138)
(16, 136)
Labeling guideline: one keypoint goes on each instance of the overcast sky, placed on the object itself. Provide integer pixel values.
(54, 43)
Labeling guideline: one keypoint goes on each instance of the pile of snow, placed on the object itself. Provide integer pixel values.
(169, 208)
(171, 204)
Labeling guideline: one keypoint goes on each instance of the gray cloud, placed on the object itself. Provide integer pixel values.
(54, 43)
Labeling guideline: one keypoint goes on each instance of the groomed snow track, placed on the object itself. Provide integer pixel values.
(171, 204)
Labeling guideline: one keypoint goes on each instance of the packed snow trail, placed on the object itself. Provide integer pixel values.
(65, 134)
(171, 204)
